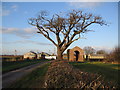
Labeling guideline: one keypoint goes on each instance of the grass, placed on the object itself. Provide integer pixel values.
(108, 71)
(36, 78)
(9, 66)
(33, 80)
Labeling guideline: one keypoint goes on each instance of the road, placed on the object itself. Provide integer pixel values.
(12, 76)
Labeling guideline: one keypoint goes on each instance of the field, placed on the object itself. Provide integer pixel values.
(33, 80)
(108, 71)
(9, 66)
(11, 57)
(61, 74)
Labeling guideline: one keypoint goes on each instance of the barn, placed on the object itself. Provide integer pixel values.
(30, 55)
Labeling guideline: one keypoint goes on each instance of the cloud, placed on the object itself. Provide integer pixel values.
(26, 41)
(14, 7)
(108, 49)
(88, 3)
(84, 4)
(9, 30)
(5, 12)
(21, 32)
(29, 30)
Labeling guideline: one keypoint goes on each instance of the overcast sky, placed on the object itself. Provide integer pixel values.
(18, 35)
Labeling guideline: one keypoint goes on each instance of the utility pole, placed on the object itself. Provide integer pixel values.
(15, 52)
(49, 52)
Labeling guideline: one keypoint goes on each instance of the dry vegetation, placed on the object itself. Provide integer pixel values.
(62, 75)
(114, 56)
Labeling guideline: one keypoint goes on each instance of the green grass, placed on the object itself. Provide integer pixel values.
(9, 66)
(108, 71)
(33, 80)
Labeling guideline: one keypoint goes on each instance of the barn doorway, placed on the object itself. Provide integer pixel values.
(76, 54)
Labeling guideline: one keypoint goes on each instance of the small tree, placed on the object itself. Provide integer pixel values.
(114, 56)
(89, 50)
(66, 29)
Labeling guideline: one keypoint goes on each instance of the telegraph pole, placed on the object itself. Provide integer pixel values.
(49, 52)
(15, 52)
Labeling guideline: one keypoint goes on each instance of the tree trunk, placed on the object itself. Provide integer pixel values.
(59, 54)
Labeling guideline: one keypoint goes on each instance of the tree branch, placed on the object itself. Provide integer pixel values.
(73, 24)
(47, 36)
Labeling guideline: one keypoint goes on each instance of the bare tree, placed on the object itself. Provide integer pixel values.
(114, 56)
(89, 50)
(67, 28)
(116, 53)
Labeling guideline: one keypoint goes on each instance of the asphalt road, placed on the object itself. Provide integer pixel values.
(12, 76)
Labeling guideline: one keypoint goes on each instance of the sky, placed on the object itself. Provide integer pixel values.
(18, 35)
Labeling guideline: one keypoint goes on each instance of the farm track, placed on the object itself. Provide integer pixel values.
(12, 76)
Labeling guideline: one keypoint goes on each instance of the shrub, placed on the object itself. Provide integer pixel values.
(114, 56)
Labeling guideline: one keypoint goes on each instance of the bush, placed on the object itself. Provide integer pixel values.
(62, 75)
(114, 56)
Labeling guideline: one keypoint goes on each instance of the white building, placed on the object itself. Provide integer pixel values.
(30, 55)
(97, 56)
(43, 55)
(50, 57)
(39, 55)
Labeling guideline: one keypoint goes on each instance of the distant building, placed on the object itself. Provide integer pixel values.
(96, 57)
(43, 55)
(50, 57)
(30, 55)
(77, 54)
(39, 55)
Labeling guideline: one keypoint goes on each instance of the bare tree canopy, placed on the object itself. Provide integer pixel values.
(89, 50)
(67, 28)
(114, 56)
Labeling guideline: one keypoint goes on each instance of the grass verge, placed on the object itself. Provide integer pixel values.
(33, 80)
(9, 66)
(108, 71)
